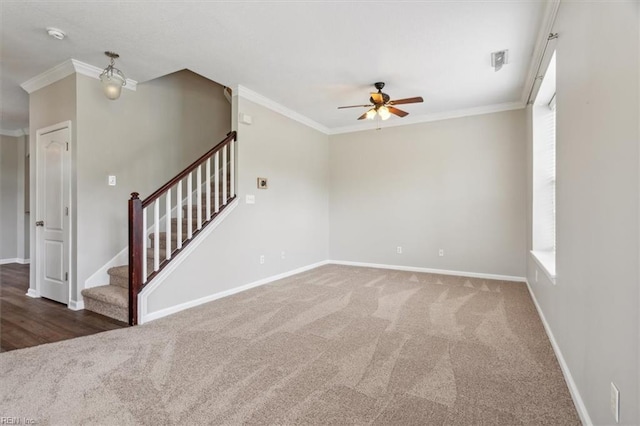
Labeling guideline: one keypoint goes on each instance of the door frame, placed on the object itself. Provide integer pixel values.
(67, 195)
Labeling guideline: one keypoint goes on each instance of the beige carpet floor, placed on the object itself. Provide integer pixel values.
(334, 345)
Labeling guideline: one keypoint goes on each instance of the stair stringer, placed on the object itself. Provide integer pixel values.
(178, 259)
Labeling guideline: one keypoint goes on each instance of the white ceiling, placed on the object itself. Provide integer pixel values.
(310, 57)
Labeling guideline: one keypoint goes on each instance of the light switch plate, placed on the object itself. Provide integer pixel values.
(250, 199)
(112, 181)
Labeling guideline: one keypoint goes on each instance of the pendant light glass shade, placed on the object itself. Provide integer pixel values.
(384, 113)
(112, 78)
(371, 114)
(112, 85)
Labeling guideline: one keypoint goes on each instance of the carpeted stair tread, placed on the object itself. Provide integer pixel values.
(121, 271)
(108, 300)
(109, 294)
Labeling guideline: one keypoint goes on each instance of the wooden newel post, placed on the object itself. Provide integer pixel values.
(135, 255)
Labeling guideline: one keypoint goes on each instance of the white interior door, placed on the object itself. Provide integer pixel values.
(52, 206)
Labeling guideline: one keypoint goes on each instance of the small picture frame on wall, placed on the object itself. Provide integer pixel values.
(262, 183)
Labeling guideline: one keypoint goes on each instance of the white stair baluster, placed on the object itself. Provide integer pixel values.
(144, 245)
(233, 168)
(224, 175)
(179, 214)
(189, 206)
(208, 188)
(199, 201)
(156, 234)
(167, 217)
(216, 178)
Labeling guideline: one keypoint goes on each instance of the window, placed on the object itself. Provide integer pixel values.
(544, 173)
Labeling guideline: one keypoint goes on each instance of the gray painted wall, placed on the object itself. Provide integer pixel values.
(455, 184)
(290, 216)
(9, 147)
(593, 309)
(144, 139)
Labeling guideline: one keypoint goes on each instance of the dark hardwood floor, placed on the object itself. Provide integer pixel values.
(25, 321)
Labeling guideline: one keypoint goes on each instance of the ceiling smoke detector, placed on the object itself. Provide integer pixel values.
(500, 58)
(56, 33)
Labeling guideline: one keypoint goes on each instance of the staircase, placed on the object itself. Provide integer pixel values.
(161, 239)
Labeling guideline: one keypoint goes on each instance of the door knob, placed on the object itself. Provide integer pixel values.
(40, 223)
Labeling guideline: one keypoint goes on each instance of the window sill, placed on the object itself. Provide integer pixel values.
(546, 260)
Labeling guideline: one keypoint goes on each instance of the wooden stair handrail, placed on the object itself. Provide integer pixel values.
(231, 136)
(137, 232)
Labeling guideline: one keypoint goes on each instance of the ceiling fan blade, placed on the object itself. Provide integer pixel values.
(363, 116)
(356, 106)
(398, 112)
(377, 98)
(415, 100)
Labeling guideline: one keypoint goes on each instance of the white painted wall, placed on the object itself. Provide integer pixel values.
(593, 309)
(455, 184)
(290, 216)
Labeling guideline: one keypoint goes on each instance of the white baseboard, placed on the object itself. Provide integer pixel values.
(32, 292)
(76, 305)
(571, 384)
(430, 270)
(146, 317)
(14, 260)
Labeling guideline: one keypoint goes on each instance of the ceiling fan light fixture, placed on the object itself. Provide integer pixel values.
(113, 80)
(384, 113)
(371, 114)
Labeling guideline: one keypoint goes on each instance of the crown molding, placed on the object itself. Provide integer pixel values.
(249, 94)
(548, 20)
(63, 70)
(426, 118)
(48, 77)
(367, 124)
(14, 133)
(94, 72)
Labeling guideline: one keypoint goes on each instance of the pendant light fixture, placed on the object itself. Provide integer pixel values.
(112, 78)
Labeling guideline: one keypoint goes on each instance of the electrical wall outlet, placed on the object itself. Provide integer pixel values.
(441, 252)
(262, 259)
(399, 250)
(615, 402)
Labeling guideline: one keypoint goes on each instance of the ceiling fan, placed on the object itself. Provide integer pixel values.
(383, 106)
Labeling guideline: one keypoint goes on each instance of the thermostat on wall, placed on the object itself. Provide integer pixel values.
(262, 183)
(245, 118)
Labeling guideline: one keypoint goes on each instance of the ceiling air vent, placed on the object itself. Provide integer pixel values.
(500, 58)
